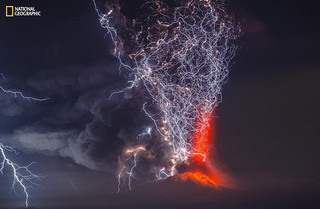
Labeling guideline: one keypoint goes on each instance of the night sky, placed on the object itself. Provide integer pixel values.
(267, 129)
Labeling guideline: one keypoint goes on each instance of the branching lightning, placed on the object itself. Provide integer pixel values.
(125, 172)
(22, 176)
(19, 93)
(147, 132)
(181, 57)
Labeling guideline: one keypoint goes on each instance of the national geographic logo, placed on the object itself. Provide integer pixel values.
(9, 11)
(13, 11)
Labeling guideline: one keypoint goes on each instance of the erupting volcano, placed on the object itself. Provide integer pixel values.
(177, 54)
(200, 169)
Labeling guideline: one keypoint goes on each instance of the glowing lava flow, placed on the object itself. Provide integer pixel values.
(199, 177)
(203, 172)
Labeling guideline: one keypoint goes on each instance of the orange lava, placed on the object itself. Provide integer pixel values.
(199, 177)
(202, 140)
(200, 169)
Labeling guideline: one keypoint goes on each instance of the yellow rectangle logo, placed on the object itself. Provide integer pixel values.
(9, 11)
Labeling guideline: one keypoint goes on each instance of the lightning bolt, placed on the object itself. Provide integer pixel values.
(19, 93)
(22, 176)
(181, 57)
(147, 132)
(125, 172)
(130, 173)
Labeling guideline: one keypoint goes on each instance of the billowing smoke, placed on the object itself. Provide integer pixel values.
(174, 55)
(177, 53)
(78, 122)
